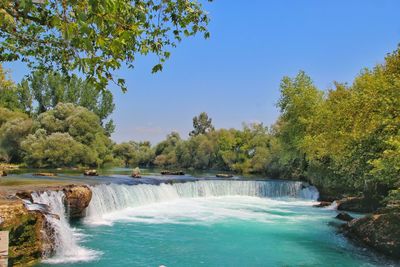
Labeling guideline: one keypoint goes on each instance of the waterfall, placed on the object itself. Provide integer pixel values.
(113, 197)
(66, 237)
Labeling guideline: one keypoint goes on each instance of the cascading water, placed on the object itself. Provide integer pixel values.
(249, 223)
(66, 238)
(110, 198)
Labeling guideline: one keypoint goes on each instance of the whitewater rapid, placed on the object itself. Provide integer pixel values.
(113, 202)
(205, 201)
(67, 239)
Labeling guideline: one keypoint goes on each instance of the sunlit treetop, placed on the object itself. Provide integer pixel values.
(95, 37)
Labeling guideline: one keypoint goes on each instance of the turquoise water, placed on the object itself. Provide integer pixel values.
(215, 231)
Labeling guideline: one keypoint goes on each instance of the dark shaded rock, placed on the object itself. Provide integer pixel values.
(224, 175)
(322, 204)
(328, 194)
(77, 198)
(25, 195)
(90, 173)
(358, 204)
(344, 216)
(380, 231)
(172, 172)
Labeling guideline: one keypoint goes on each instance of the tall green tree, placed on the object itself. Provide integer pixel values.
(202, 124)
(14, 127)
(42, 91)
(165, 151)
(82, 130)
(299, 103)
(54, 150)
(95, 37)
(348, 139)
(8, 92)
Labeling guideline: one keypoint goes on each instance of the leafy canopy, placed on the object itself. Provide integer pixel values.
(66, 136)
(201, 124)
(95, 37)
(42, 91)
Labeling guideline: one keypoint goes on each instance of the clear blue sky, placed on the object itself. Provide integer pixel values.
(234, 76)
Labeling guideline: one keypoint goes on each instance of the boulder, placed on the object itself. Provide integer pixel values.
(77, 198)
(3, 173)
(358, 204)
(380, 231)
(329, 194)
(91, 173)
(344, 216)
(136, 173)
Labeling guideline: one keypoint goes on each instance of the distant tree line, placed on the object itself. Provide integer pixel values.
(250, 150)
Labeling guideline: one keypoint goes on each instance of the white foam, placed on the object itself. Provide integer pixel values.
(110, 202)
(332, 206)
(201, 202)
(208, 210)
(67, 239)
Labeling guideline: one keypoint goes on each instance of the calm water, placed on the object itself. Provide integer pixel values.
(155, 226)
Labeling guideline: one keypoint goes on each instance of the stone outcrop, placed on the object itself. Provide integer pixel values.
(27, 195)
(77, 198)
(358, 204)
(328, 194)
(90, 173)
(380, 231)
(30, 235)
(136, 173)
(344, 216)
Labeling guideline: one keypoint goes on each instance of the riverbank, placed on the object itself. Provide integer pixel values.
(31, 235)
(378, 229)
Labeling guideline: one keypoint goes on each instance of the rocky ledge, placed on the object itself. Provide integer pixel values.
(358, 204)
(31, 235)
(380, 231)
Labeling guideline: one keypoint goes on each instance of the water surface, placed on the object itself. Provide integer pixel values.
(208, 223)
